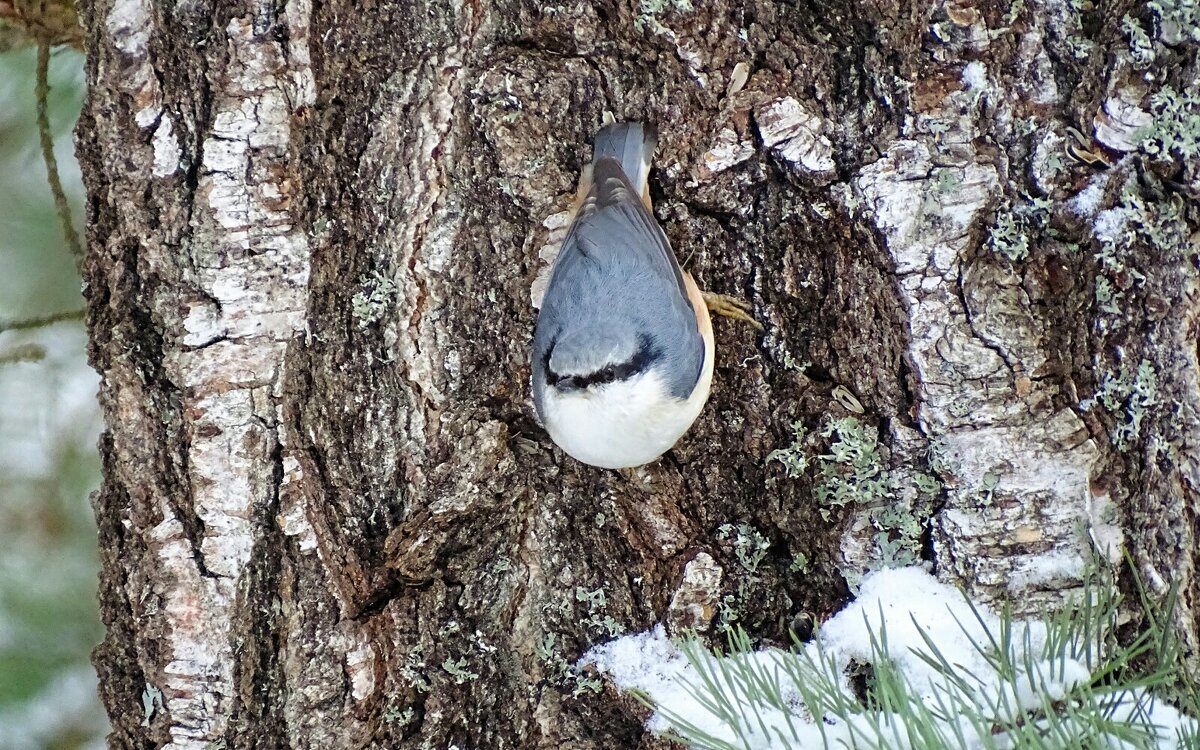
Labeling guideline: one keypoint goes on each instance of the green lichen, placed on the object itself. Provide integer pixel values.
(457, 669)
(1122, 232)
(901, 523)
(585, 684)
(1174, 130)
(1055, 163)
(595, 599)
(1025, 126)
(987, 486)
(650, 10)
(927, 484)
(792, 457)
(561, 672)
(1014, 12)
(400, 716)
(373, 300)
(1181, 17)
(1128, 395)
(853, 470)
(750, 547)
(1080, 47)
(413, 670)
(1016, 224)
(947, 182)
(547, 651)
(1108, 299)
(729, 608)
(728, 613)
(1141, 47)
(799, 563)
(843, 192)
(898, 550)
(938, 456)
(597, 619)
(152, 703)
(959, 407)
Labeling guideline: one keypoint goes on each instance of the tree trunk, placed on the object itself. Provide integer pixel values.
(329, 517)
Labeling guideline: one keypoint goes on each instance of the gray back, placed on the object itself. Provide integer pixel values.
(617, 289)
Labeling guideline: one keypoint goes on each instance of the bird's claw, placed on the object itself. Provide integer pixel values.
(730, 307)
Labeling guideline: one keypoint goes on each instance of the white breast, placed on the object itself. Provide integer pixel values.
(625, 423)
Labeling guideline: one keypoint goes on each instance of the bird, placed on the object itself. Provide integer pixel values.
(622, 356)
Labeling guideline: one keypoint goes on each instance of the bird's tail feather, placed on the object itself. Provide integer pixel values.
(630, 143)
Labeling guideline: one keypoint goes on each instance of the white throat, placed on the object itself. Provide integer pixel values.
(625, 423)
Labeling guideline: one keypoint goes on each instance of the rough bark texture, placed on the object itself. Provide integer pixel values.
(329, 517)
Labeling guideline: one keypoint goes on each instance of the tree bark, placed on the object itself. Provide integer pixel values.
(316, 231)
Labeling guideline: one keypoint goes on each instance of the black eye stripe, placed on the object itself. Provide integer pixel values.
(645, 355)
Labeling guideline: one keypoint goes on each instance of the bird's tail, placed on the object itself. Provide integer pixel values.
(630, 143)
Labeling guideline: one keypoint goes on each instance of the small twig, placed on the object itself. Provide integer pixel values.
(56, 21)
(24, 324)
(23, 353)
(42, 91)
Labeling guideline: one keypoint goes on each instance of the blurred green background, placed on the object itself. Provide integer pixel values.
(49, 423)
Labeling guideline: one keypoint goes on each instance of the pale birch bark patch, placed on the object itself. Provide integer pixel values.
(129, 25)
(797, 134)
(1121, 120)
(694, 602)
(166, 148)
(555, 226)
(728, 151)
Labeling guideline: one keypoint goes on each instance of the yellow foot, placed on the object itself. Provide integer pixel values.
(730, 307)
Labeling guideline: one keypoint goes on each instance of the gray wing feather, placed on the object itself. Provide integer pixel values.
(614, 214)
(616, 272)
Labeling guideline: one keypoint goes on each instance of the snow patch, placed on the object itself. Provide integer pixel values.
(1086, 201)
(974, 75)
(1110, 225)
(927, 623)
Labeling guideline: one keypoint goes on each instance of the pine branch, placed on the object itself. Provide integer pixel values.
(23, 353)
(42, 91)
(39, 321)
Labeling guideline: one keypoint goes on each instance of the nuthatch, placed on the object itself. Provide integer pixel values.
(623, 352)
